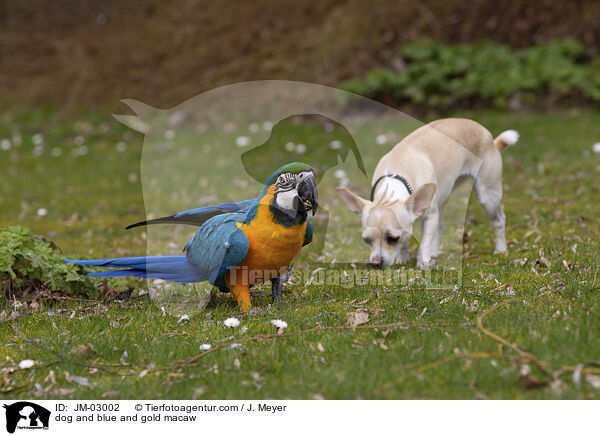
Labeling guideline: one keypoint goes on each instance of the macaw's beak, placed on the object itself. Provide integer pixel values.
(307, 191)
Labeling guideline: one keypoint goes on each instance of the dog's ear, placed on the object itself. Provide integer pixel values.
(418, 203)
(353, 201)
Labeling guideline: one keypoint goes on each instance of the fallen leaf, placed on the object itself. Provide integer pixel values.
(594, 380)
(110, 394)
(50, 377)
(82, 351)
(197, 393)
(577, 375)
(556, 385)
(320, 347)
(357, 318)
(83, 381)
(531, 382)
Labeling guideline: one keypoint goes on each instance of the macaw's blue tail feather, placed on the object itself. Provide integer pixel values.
(172, 268)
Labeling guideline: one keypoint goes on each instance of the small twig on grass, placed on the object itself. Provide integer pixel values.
(61, 357)
(503, 341)
(422, 367)
(261, 337)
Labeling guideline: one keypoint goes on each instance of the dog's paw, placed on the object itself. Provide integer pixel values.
(427, 264)
(402, 261)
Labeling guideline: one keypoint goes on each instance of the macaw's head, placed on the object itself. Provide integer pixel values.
(295, 190)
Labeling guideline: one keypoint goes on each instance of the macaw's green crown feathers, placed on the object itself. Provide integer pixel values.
(294, 168)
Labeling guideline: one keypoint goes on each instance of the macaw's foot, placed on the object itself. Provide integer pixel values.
(277, 284)
(276, 289)
(242, 296)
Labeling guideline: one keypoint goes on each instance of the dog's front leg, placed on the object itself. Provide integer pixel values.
(404, 254)
(431, 222)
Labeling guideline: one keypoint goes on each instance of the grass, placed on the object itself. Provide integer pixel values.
(521, 326)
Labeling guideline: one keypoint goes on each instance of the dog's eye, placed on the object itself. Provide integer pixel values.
(368, 240)
(392, 239)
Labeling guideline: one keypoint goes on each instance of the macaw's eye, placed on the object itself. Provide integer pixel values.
(392, 239)
(286, 181)
(368, 240)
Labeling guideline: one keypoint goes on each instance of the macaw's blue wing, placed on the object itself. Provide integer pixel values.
(173, 268)
(198, 216)
(218, 247)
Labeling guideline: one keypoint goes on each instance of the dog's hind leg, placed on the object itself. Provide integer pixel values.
(488, 186)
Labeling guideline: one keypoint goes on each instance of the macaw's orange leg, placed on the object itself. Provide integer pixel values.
(241, 293)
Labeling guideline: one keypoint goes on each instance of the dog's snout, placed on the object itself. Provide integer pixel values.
(377, 262)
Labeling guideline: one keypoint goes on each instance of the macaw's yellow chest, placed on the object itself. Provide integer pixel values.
(271, 246)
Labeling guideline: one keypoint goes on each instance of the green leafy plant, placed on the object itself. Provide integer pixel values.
(442, 76)
(32, 263)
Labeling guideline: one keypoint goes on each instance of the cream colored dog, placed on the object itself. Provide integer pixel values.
(416, 178)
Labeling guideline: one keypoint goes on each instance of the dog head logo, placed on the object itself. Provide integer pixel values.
(222, 132)
(315, 139)
(26, 415)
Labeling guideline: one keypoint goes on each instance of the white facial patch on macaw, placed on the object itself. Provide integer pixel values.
(286, 198)
(287, 191)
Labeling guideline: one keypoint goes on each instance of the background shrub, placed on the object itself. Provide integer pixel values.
(442, 76)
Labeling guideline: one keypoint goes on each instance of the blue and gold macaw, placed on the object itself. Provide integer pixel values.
(240, 244)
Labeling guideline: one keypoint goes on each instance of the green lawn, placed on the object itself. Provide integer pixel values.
(524, 325)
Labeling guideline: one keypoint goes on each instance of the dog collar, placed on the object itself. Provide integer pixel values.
(395, 176)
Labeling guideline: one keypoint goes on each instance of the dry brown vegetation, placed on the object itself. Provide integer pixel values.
(75, 53)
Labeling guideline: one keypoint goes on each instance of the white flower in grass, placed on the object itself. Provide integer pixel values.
(335, 145)
(339, 174)
(27, 363)
(278, 323)
(289, 146)
(38, 150)
(242, 141)
(300, 148)
(253, 127)
(42, 211)
(205, 347)
(37, 139)
(5, 144)
(231, 322)
(79, 140)
(596, 147)
(381, 139)
(236, 345)
(183, 318)
(170, 134)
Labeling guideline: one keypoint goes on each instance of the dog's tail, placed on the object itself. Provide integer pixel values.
(506, 139)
